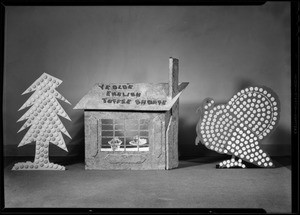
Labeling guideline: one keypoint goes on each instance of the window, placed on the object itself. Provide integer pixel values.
(125, 135)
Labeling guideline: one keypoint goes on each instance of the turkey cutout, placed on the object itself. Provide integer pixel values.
(45, 125)
(238, 127)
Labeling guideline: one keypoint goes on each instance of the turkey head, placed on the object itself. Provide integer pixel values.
(238, 127)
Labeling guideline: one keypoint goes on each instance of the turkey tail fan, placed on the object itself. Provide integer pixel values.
(260, 106)
(206, 104)
(238, 127)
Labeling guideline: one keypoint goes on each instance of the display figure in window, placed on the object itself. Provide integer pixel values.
(115, 143)
(137, 141)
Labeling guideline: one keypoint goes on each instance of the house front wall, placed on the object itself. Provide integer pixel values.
(125, 140)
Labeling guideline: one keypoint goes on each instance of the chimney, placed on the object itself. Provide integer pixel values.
(173, 77)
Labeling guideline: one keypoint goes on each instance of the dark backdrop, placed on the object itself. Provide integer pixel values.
(221, 49)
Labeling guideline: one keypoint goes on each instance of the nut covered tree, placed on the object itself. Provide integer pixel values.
(45, 125)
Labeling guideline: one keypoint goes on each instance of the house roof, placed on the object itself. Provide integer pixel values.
(127, 96)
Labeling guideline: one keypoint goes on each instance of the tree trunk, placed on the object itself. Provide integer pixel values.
(41, 153)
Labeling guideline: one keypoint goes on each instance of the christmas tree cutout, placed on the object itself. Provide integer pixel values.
(45, 125)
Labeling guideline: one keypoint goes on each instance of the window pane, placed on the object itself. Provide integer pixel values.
(131, 134)
(105, 141)
(107, 133)
(105, 148)
(107, 127)
(144, 121)
(144, 146)
(119, 127)
(144, 133)
(123, 143)
(130, 147)
(106, 121)
(119, 133)
(131, 122)
(144, 127)
(119, 121)
(132, 127)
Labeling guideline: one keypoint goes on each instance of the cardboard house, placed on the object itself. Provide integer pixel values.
(132, 126)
